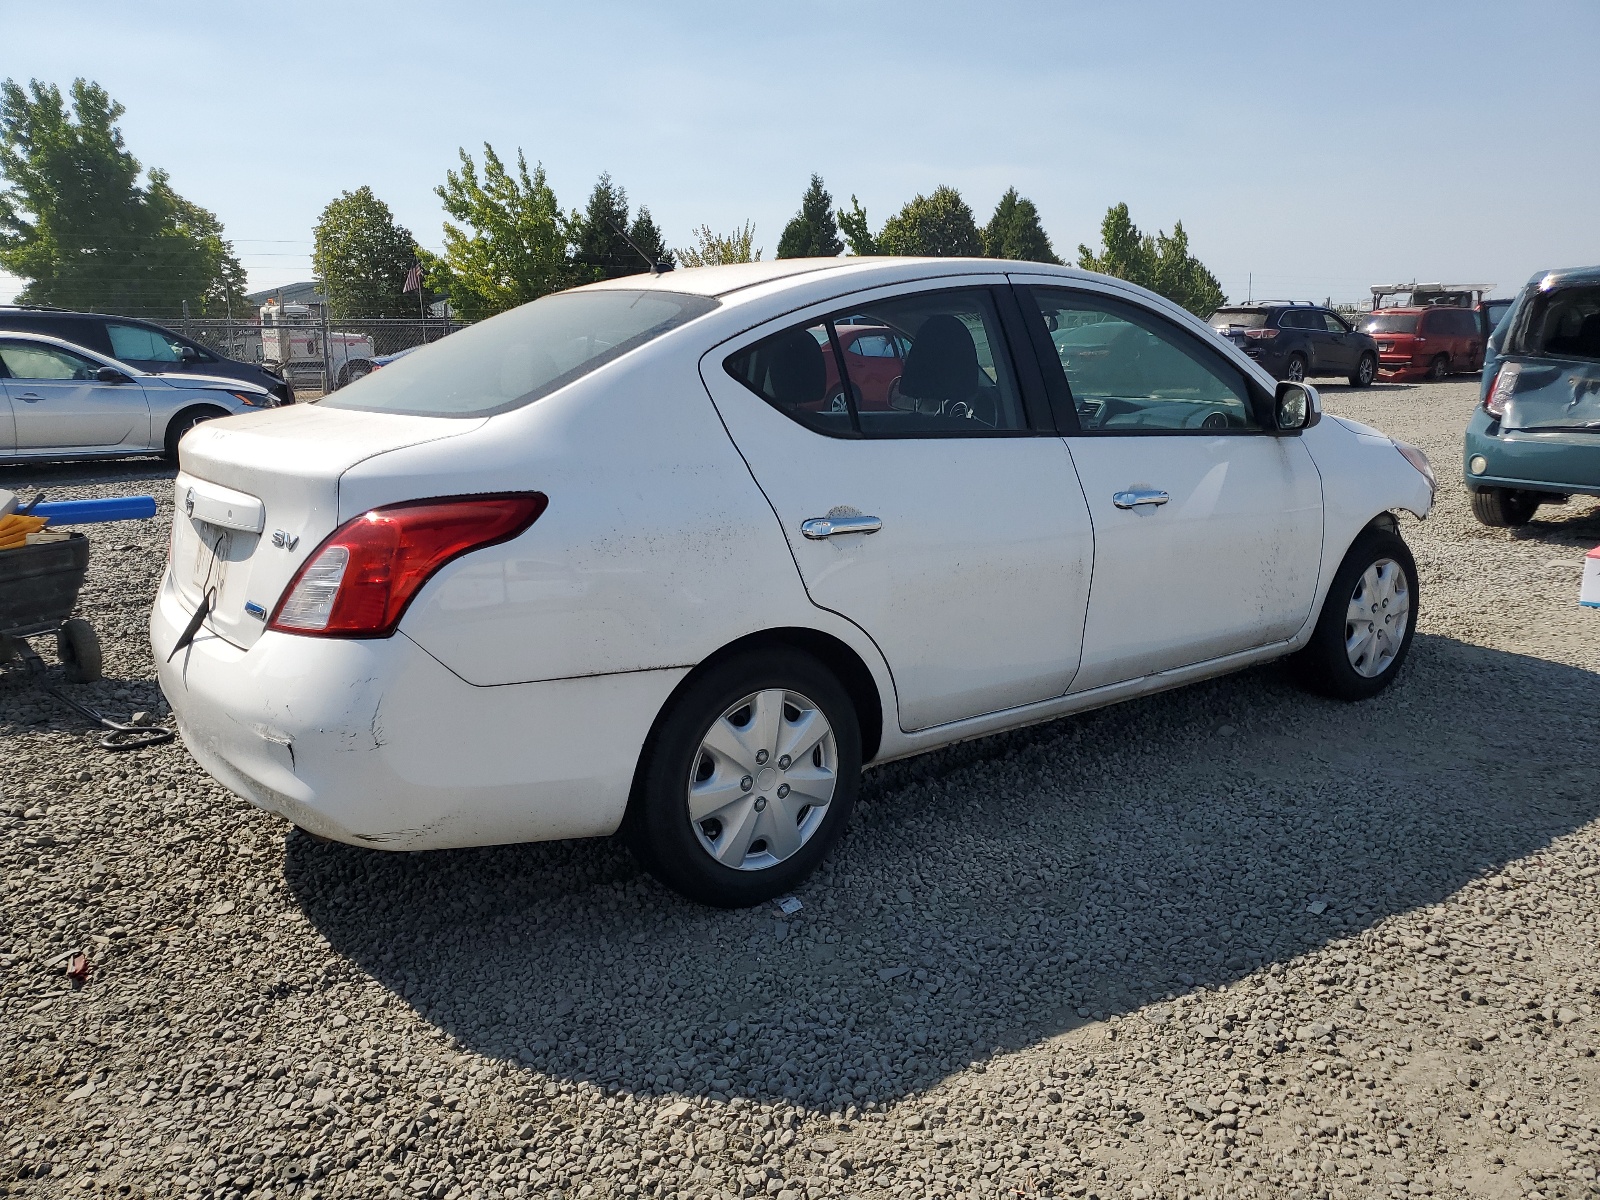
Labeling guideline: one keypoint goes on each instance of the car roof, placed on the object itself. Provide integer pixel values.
(1561, 276)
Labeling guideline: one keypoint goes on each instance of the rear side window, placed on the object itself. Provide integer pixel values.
(517, 357)
(928, 364)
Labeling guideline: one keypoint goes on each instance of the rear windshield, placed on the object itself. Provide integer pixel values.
(1564, 321)
(519, 356)
(1250, 318)
(1391, 323)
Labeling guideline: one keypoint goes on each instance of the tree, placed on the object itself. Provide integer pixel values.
(600, 251)
(647, 236)
(510, 245)
(939, 224)
(711, 249)
(77, 223)
(1161, 263)
(1015, 232)
(813, 233)
(362, 257)
(856, 230)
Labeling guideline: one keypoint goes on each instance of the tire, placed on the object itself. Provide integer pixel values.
(356, 369)
(79, 649)
(1503, 508)
(1366, 371)
(182, 423)
(1295, 371)
(1439, 368)
(1355, 659)
(713, 860)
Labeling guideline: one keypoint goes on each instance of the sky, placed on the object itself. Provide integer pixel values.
(1309, 150)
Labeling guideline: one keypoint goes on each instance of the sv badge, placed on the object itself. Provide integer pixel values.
(285, 541)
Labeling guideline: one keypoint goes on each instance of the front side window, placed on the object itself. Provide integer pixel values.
(929, 364)
(136, 344)
(517, 357)
(1132, 371)
(31, 360)
(1334, 324)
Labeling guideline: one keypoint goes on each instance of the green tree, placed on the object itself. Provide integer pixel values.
(1015, 232)
(712, 249)
(938, 224)
(509, 240)
(362, 257)
(80, 227)
(647, 236)
(813, 233)
(599, 249)
(1161, 263)
(856, 229)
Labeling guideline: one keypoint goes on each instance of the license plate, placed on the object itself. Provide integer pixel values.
(210, 557)
(1385, 345)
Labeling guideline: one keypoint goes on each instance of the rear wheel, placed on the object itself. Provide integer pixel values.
(1366, 370)
(79, 649)
(1502, 508)
(185, 421)
(1439, 367)
(1295, 372)
(748, 779)
(1367, 621)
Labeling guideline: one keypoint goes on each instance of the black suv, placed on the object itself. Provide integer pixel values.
(1295, 340)
(139, 344)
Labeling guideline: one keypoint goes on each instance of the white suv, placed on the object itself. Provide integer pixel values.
(656, 554)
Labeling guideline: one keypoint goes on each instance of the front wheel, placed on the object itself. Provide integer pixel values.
(1366, 369)
(748, 779)
(182, 423)
(1295, 372)
(1367, 621)
(1502, 508)
(79, 649)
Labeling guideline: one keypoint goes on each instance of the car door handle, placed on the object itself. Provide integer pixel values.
(818, 528)
(1132, 499)
(30, 397)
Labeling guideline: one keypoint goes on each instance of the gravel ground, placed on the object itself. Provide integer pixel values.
(1230, 941)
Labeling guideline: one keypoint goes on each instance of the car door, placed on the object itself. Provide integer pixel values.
(1208, 527)
(1343, 353)
(57, 403)
(939, 511)
(8, 426)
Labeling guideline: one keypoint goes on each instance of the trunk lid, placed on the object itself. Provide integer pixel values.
(257, 494)
(1554, 397)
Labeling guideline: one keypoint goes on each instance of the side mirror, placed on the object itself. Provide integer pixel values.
(111, 375)
(1296, 406)
(188, 354)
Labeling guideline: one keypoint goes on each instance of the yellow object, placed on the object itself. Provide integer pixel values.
(14, 529)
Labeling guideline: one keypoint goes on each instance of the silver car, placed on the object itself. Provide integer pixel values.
(58, 400)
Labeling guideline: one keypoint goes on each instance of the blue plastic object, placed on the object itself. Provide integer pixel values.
(89, 512)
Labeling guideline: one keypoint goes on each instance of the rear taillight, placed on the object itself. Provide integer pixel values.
(1261, 335)
(359, 582)
(1499, 393)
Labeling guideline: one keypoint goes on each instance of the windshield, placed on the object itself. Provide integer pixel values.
(1246, 318)
(515, 358)
(1390, 323)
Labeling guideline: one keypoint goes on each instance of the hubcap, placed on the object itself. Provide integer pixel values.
(1366, 370)
(1297, 371)
(1375, 623)
(779, 742)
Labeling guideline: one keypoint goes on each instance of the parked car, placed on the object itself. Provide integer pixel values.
(1535, 437)
(1431, 342)
(1295, 341)
(139, 344)
(608, 562)
(66, 401)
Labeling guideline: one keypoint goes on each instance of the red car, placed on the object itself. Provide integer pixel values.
(1432, 342)
(876, 358)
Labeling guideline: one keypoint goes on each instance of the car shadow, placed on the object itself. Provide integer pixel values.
(989, 895)
(1575, 523)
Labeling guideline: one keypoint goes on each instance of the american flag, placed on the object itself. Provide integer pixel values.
(413, 279)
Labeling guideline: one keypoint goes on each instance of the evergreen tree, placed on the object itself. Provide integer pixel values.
(599, 250)
(1015, 232)
(510, 242)
(1161, 263)
(79, 226)
(813, 233)
(362, 257)
(938, 224)
(647, 236)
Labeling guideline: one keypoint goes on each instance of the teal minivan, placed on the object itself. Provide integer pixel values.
(1535, 437)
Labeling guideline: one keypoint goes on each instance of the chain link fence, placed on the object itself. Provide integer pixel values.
(314, 353)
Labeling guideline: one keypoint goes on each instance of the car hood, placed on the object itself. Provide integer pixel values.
(1358, 427)
(204, 382)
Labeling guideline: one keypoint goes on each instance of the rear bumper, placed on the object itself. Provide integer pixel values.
(375, 743)
(1548, 462)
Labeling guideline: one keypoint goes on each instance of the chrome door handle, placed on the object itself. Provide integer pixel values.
(30, 397)
(1133, 499)
(818, 528)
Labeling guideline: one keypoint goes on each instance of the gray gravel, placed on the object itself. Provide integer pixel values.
(1230, 941)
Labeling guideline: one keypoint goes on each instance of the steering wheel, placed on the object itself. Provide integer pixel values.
(1216, 420)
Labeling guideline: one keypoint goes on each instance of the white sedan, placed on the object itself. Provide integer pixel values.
(59, 400)
(661, 555)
